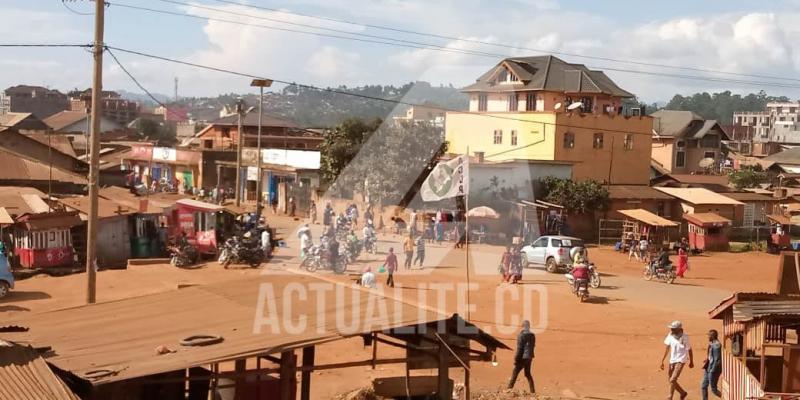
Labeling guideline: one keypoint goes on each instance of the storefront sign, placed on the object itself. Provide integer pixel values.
(141, 152)
(164, 154)
(294, 158)
(252, 173)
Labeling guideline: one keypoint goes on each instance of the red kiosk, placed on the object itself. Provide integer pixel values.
(205, 224)
(44, 240)
(708, 231)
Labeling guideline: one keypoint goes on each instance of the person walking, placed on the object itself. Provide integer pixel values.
(680, 353)
(643, 245)
(292, 207)
(391, 266)
(516, 264)
(523, 358)
(312, 212)
(712, 366)
(683, 262)
(505, 264)
(420, 250)
(408, 248)
(327, 215)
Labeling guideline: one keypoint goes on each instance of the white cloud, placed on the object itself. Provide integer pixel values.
(331, 63)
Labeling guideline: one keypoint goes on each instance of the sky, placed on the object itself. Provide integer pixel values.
(745, 37)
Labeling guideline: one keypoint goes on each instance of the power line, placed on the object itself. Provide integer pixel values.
(502, 45)
(64, 3)
(42, 45)
(432, 47)
(135, 81)
(422, 47)
(358, 95)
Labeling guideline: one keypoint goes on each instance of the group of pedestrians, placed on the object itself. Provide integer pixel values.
(679, 350)
(511, 264)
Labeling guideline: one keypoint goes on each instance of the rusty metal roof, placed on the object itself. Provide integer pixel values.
(648, 218)
(635, 192)
(17, 168)
(105, 208)
(706, 219)
(24, 375)
(125, 333)
(124, 197)
(698, 196)
(752, 306)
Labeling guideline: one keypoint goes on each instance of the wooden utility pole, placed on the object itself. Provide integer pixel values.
(239, 145)
(94, 152)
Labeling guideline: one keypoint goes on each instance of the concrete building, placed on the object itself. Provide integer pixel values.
(700, 201)
(115, 108)
(5, 103)
(39, 101)
(542, 108)
(427, 113)
(221, 134)
(681, 139)
(779, 123)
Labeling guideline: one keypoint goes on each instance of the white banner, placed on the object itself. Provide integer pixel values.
(447, 179)
(164, 154)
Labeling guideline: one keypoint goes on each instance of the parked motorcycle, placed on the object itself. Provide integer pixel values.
(580, 287)
(664, 273)
(316, 258)
(235, 251)
(183, 257)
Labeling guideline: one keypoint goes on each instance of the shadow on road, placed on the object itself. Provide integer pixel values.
(13, 308)
(22, 295)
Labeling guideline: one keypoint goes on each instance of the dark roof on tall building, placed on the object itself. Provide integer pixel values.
(547, 73)
(685, 124)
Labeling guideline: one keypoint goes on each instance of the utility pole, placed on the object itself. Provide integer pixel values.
(94, 152)
(239, 145)
(261, 84)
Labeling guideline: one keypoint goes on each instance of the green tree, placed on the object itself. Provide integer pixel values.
(342, 143)
(721, 106)
(164, 134)
(578, 197)
(747, 177)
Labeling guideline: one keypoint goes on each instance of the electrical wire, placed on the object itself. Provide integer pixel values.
(502, 45)
(64, 3)
(432, 47)
(42, 45)
(141, 87)
(358, 95)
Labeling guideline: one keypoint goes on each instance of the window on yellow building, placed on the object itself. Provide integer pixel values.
(513, 102)
(530, 102)
(498, 136)
(628, 142)
(482, 102)
(513, 138)
(569, 140)
(597, 143)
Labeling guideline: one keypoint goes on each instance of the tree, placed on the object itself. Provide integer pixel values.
(747, 177)
(721, 106)
(164, 134)
(389, 162)
(577, 197)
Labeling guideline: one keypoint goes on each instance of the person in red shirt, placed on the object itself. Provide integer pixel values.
(505, 261)
(580, 271)
(391, 266)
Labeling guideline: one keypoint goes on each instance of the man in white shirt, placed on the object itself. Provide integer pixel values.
(680, 352)
(368, 279)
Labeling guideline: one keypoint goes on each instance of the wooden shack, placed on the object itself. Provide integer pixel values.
(642, 224)
(708, 231)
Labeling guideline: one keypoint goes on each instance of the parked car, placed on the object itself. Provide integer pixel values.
(552, 252)
(6, 278)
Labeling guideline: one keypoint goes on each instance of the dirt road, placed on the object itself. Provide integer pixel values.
(608, 348)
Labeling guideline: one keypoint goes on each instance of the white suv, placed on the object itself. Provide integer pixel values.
(552, 252)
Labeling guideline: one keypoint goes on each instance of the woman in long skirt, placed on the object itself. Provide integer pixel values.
(683, 262)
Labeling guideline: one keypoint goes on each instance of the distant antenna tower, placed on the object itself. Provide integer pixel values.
(176, 88)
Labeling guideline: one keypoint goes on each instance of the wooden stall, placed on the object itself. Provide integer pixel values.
(642, 224)
(43, 240)
(205, 224)
(708, 231)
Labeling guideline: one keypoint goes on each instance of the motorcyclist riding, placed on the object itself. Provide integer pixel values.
(352, 242)
(663, 262)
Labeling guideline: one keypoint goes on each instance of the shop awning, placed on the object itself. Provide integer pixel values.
(200, 205)
(648, 218)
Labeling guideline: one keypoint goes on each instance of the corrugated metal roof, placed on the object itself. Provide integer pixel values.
(706, 219)
(752, 306)
(24, 375)
(125, 333)
(698, 196)
(648, 218)
(124, 197)
(5, 217)
(200, 204)
(751, 197)
(105, 208)
(16, 168)
(636, 193)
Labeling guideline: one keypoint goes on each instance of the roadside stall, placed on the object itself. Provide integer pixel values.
(708, 231)
(642, 224)
(206, 225)
(44, 240)
(484, 224)
(779, 234)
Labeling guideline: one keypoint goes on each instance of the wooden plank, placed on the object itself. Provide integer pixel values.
(288, 366)
(443, 373)
(305, 385)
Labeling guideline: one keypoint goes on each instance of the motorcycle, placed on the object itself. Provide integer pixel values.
(315, 259)
(352, 251)
(371, 245)
(594, 276)
(183, 257)
(579, 287)
(235, 251)
(665, 273)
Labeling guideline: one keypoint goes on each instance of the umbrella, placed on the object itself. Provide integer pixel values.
(483, 212)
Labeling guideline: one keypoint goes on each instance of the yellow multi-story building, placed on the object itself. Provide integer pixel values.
(542, 108)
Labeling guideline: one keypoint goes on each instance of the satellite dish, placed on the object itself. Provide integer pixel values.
(575, 105)
(706, 162)
(557, 106)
